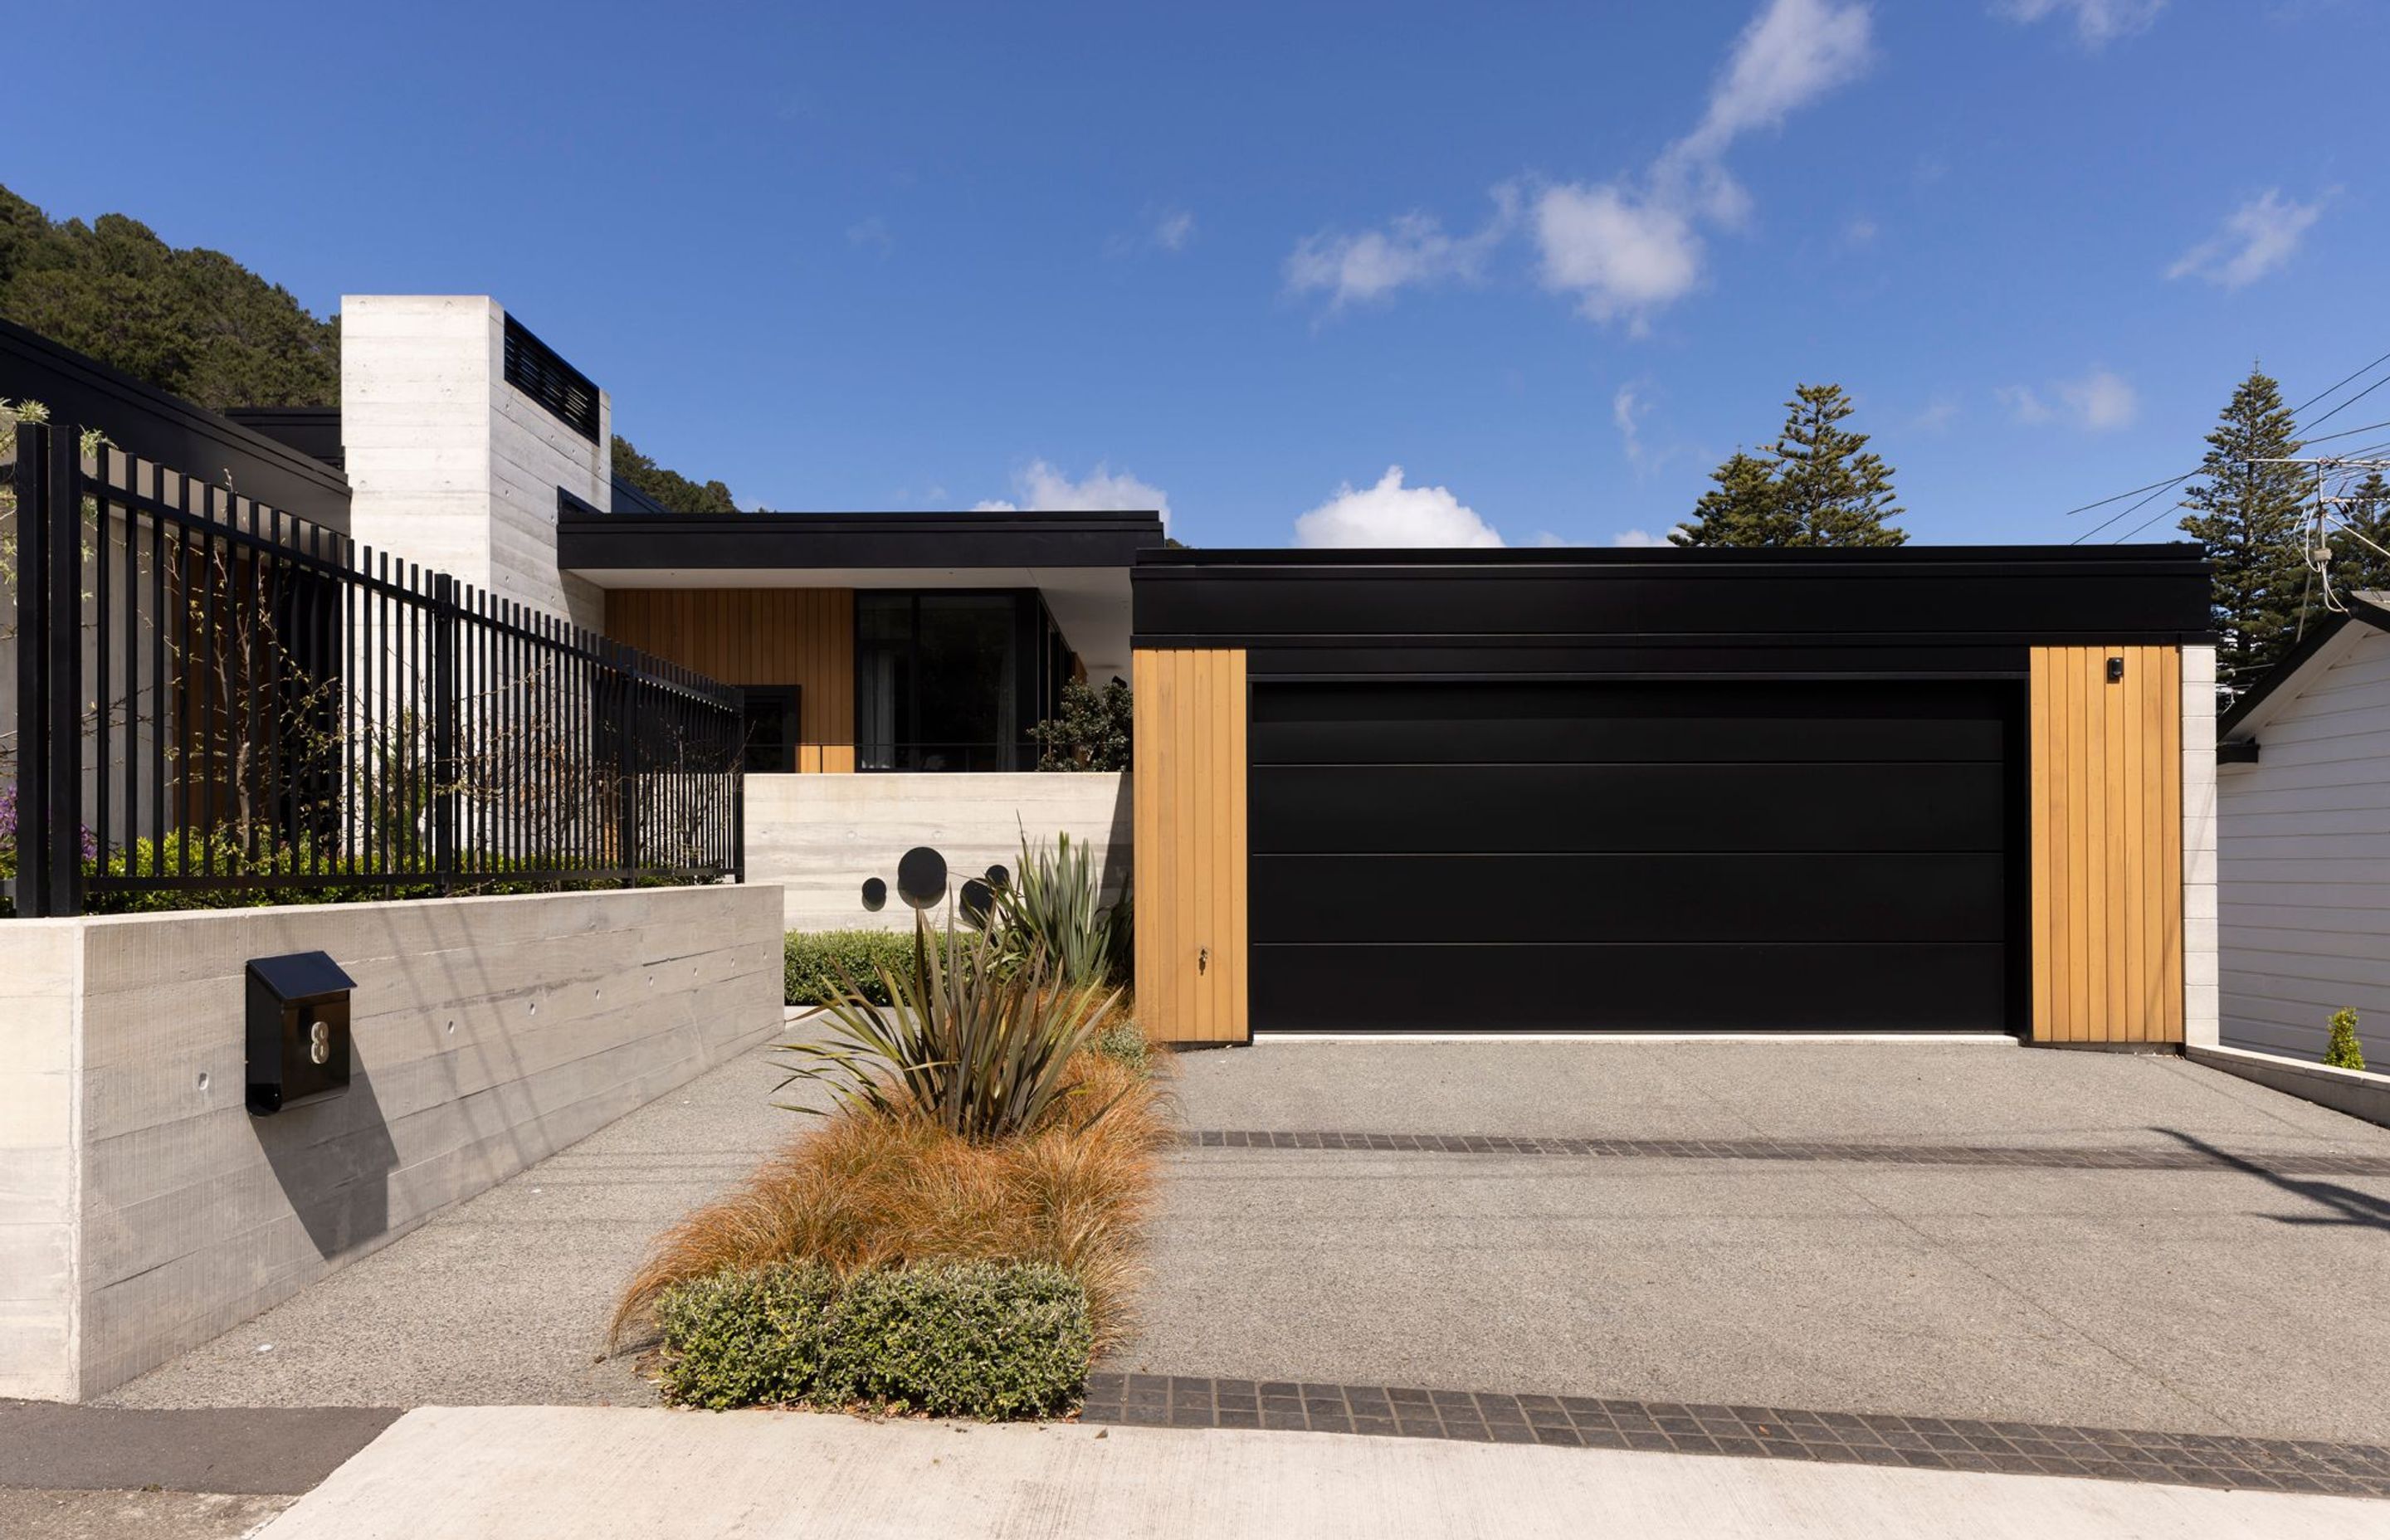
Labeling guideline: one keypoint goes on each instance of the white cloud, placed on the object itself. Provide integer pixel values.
(2024, 403)
(2101, 402)
(2098, 401)
(1041, 488)
(1621, 254)
(1936, 415)
(1792, 53)
(1414, 249)
(1551, 540)
(1626, 250)
(2257, 238)
(2097, 22)
(1164, 228)
(1629, 247)
(1860, 232)
(872, 232)
(1392, 514)
(1640, 540)
(1628, 411)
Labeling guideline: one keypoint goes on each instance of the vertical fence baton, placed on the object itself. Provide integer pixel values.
(59, 816)
(738, 707)
(627, 734)
(443, 730)
(32, 722)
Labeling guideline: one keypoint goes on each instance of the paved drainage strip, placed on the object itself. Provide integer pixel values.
(2064, 1158)
(1919, 1443)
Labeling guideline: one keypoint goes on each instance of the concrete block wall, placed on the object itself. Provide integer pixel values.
(449, 466)
(818, 837)
(489, 1032)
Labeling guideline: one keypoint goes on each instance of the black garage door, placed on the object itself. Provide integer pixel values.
(1633, 856)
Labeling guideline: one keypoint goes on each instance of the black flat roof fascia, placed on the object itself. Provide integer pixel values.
(1595, 602)
(587, 539)
(2175, 555)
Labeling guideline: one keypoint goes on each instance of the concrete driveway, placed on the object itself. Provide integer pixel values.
(2065, 1237)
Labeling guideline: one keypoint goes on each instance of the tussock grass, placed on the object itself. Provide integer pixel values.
(867, 1189)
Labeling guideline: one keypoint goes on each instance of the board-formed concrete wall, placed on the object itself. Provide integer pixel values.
(818, 837)
(144, 1211)
(450, 466)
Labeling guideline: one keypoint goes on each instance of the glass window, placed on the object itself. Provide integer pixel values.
(938, 681)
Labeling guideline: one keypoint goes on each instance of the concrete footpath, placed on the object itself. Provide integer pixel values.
(594, 1473)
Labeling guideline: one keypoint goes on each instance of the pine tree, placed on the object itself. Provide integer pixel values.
(1817, 485)
(1835, 490)
(2360, 545)
(1743, 509)
(2248, 514)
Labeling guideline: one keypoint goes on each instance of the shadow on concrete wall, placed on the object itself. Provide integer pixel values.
(333, 1159)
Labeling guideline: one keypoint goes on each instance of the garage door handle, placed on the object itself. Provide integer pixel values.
(1202, 958)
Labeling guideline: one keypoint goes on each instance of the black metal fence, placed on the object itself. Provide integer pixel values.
(215, 702)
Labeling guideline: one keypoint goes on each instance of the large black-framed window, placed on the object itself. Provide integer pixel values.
(951, 679)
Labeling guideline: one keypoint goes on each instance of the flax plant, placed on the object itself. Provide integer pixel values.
(977, 1044)
(1052, 904)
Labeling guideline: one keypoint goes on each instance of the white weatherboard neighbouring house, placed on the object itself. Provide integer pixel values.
(2304, 850)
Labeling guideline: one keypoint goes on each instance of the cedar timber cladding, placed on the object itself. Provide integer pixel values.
(758, 637)
(1189, 798)
(2107, 935)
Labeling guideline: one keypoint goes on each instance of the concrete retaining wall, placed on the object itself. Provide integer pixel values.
(818, 837)
(143, 1209)
(2358, 1092)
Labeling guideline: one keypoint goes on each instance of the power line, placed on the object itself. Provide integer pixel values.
(2368, 427)
(2328, 389)
(2146, 494)
(2346, 404)
(2122, 495)
(2156, 491)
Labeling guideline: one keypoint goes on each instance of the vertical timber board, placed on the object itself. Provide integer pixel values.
(801, 636)
(1188, 790)
(2106, 887)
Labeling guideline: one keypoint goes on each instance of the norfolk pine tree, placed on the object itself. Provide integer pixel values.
(2360, 545)
(1740, 510)
(2248, 514)
(1817, 485)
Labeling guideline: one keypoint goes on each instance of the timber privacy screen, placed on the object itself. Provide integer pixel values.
(212, 702)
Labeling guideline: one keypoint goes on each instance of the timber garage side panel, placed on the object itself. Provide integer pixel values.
(1676, 855)
(1189, 792)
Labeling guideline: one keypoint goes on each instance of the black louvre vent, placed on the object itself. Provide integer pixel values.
(534, 369)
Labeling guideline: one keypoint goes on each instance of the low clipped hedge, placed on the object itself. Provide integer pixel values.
(813, 961)
(980, 1340)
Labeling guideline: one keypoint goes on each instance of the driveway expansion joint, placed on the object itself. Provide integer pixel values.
(2021, 1157)
(1766, 1432)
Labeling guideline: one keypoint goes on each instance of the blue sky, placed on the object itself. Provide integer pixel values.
(1553, 261)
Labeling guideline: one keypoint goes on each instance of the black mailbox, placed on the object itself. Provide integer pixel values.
(298, 1030)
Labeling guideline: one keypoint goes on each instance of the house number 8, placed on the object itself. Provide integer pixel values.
(319, 1042)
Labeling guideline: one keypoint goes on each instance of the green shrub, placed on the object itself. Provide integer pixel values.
(745, 1339)
(815, 961)
(1089, 730)
(981, 1339)
(1124, 1043)
(2343, 1051)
